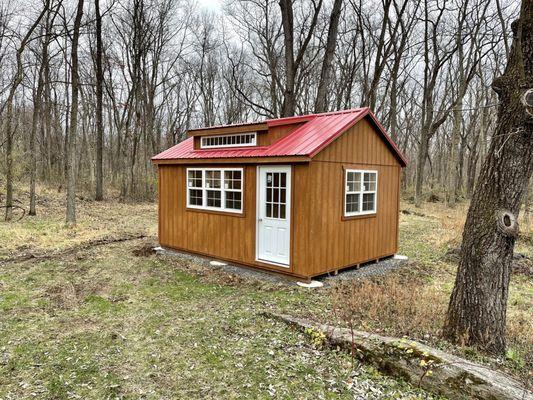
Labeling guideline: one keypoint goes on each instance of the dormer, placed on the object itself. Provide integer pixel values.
(229, 136)
(246, 135)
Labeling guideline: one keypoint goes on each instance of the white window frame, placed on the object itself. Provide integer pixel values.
(204, 145)
(361, 191)
(222, 189)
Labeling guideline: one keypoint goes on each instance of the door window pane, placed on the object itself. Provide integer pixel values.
(276, 195)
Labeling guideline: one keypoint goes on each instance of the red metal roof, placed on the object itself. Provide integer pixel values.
(317, 132)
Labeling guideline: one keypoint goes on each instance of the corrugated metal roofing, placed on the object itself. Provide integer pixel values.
(307, 140)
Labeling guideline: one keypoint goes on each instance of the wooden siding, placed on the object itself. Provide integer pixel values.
(220, 235)
(324, 240)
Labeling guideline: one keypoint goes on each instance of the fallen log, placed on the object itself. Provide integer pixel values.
(432, 369)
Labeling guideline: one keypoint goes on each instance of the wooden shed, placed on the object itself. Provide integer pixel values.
(302, 196)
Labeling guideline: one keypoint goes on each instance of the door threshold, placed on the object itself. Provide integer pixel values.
(273, 263)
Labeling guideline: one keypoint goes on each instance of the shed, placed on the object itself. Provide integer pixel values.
(301, 196)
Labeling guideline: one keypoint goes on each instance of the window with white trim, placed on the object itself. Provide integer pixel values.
(235, 140)
(218, 189)
(360, 196)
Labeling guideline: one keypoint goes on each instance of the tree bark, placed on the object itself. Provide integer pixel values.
(325, 73)
(292, 63)
(99, 195)
(477, 311)
(35, 118)
(17, 79)
(71, 156)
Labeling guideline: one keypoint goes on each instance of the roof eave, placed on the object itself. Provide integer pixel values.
(235, 160)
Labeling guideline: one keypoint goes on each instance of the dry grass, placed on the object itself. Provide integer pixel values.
(47, 231)
(392, 306)
(413, 301)
(78, 304)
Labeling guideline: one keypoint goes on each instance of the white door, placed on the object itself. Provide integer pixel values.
(274, 214)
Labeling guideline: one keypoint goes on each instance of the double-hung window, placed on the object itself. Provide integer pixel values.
(218, 189)
(360, 196)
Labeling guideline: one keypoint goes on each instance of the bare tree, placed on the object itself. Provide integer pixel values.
(292, 63)
(99, 195)
(17, 79)
(71, 156)
(329, 52)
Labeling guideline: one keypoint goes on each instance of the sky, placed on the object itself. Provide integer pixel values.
(211, 5)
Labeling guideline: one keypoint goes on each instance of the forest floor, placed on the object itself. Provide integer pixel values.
(83, 316)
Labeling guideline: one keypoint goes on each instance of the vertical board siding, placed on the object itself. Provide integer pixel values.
(221, 235)
(324, 241)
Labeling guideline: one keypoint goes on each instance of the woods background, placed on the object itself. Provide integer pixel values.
(425, 68)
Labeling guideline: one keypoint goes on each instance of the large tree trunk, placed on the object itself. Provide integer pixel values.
(71, 156)
(477, 310)
(99, 107)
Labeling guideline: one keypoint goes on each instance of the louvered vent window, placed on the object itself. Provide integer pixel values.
(236, 140)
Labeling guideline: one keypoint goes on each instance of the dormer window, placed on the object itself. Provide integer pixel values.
(234, 140)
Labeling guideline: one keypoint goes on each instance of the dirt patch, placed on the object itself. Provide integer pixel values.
(62, 295)
(67, 295)
(144, 250)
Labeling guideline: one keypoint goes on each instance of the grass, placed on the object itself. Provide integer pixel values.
(101, 322)
(95, 220)
(413, 300)
(104, 323)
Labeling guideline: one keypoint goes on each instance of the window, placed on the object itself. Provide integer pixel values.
(215, 189)
(276, 195)
(236, 140)
(361, 192)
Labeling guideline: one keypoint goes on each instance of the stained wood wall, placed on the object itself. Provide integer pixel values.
(322, 240)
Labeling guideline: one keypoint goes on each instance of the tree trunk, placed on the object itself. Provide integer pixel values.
(99, 107)
(452, 161)
(420, 163)
(9, 115)
(289, 97)
(36, 116)
(325, 74)
(71, 156)
(477, 310)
